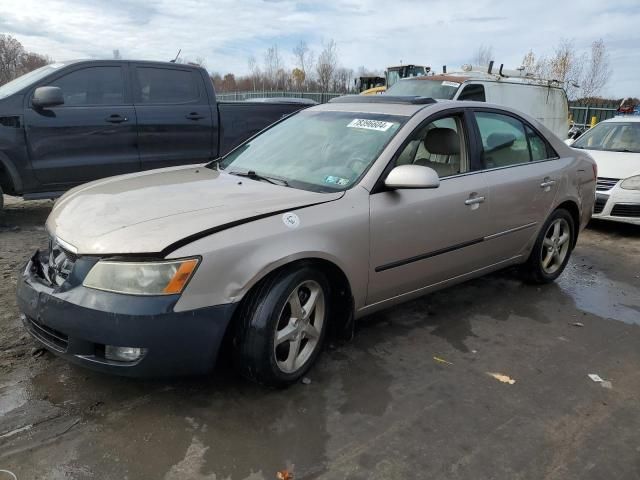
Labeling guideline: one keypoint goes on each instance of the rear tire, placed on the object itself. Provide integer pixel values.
(281, 326)
(552, 249)
(1, 199)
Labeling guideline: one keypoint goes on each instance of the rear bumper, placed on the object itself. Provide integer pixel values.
(77, 324)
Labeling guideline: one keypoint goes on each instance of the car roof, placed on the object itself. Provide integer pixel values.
(622, 118)
(111, 60)
(408, 109)
(403, 109)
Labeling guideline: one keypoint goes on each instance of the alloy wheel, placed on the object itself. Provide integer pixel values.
(555, 245)
(299, 327)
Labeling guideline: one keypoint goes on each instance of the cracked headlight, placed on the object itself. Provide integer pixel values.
(141, 278)
(631, 183)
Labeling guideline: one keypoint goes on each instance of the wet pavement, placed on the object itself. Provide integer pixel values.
(379, 407)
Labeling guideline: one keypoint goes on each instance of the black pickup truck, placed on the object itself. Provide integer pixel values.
(68, 123)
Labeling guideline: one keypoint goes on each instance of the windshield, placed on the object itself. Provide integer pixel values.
(611, 136)
(443, 90)
(316, 150)
(27, 79)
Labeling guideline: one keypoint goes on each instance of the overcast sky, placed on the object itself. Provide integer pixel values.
(373, 34)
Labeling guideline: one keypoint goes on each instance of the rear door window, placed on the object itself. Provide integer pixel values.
(165, 85)
(507, 141)
(539, 148)
(92, 86)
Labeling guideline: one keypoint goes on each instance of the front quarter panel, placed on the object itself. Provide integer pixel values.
(236, 259)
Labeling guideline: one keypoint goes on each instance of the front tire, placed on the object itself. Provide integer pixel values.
(552, 249)
(281, 326)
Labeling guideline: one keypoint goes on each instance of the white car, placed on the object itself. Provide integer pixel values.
(615, 146)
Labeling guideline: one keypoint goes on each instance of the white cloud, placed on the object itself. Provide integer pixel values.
(370, 33)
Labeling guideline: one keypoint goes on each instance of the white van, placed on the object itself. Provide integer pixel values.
(544, 100)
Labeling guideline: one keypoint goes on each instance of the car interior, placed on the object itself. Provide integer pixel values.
(439, 145)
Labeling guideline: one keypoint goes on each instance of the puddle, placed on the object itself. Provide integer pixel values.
(12, 395)
(599, 295)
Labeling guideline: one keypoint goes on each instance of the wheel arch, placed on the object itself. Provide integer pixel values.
(9, 178)
(573, 209)
(341, 321)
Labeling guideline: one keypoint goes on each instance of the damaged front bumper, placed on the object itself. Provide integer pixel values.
(84, 325)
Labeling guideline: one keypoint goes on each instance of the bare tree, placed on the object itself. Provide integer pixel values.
(597, 73)
(303, 58)
(483, 55)
(30, 61)
(566, 66)
(116, 54)
(229, 82)
(11, 51)
(326, 65)
(298, 77)
(254, 68)
(272, 66)
(535, 66)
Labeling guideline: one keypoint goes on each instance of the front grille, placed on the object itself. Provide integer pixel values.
(47, 335)
(626, 210)
(604, 183)
(601, 201)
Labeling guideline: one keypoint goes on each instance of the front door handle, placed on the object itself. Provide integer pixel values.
(115, 118)
(194, 116)
(473, 200)
(547, 184)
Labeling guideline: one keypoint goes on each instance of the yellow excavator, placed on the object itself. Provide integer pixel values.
(392, 75)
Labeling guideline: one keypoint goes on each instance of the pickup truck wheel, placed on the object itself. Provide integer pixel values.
(552, 249)
(281, 327)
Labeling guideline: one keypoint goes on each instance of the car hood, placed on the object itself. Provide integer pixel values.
(616, 164)
(149, 211)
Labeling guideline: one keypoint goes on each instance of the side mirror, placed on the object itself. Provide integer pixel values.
(46, 97)
(412, 176)
(569, 141)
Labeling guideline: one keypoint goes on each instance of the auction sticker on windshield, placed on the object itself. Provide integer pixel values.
(336, 180)
(447, 83)
(378, 125)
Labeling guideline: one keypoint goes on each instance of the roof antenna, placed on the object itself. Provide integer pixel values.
(177, 56)
(490, 67)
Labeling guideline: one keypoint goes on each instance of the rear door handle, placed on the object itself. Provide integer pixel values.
(115, 118)
(473, 200)
(194, 116)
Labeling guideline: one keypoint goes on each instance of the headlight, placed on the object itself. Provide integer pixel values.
(141, 278)
(631, 183)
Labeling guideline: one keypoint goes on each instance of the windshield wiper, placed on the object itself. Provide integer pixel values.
(254, 176)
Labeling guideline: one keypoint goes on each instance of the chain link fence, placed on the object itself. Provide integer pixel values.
(319, 97)
(582, 113)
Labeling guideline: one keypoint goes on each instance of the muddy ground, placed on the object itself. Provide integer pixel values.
(380, 407)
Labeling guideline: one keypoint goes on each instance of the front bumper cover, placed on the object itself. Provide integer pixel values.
(76, 323)
(618, 205)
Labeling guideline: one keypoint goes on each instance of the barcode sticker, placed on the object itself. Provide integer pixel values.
(378, 125)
